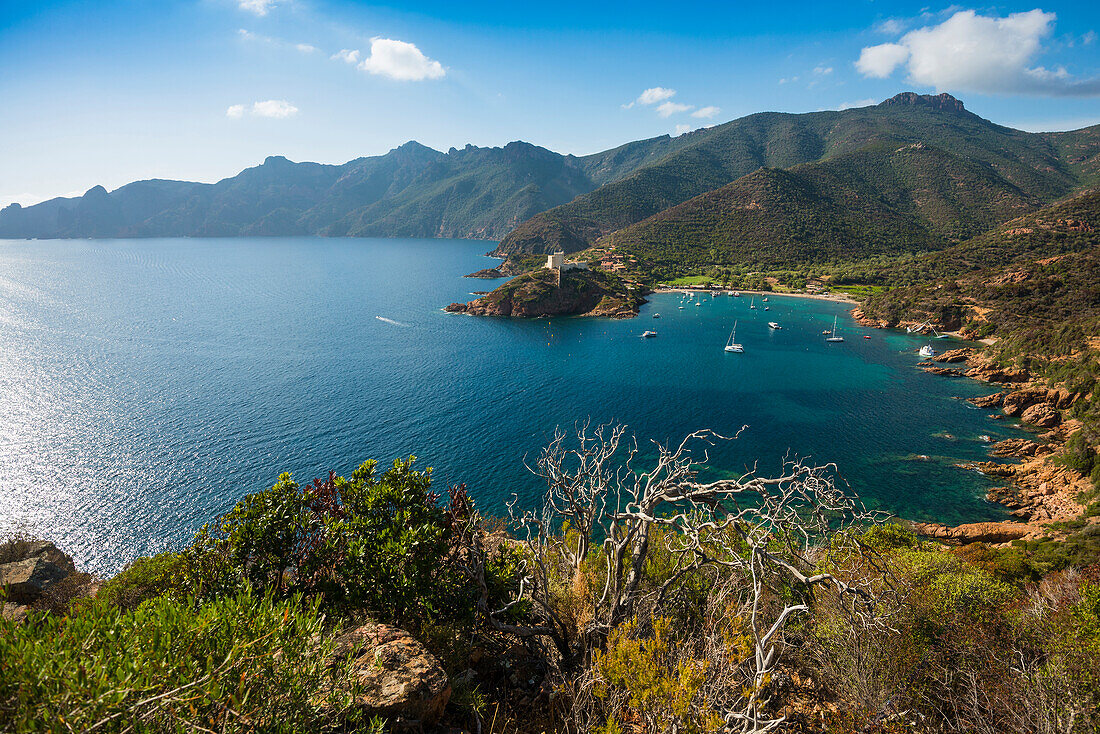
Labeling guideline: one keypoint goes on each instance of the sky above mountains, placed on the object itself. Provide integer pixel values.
(112, 91)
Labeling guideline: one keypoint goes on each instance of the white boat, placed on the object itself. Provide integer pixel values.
(656, 315)
(736, 294)
(765, 299)
(774, 325)
(832, 334)
(681, 308)
(752, 303)
(647, 334)
(927, 351)
(731, 343)
(767, 308)
(698, 303)
(938, 335)
(732, 293)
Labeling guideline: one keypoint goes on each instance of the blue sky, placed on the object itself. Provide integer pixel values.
(112, 91)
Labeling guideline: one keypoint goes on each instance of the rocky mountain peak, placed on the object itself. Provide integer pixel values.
(943, 101)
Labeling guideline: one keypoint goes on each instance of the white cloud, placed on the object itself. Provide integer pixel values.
(890, 27)
(858, 103)
(347, 55)
(971, 52)
(278, 109)
(667, 109)
(400, 60)
(305, 48)
(706, 112)
(681, 129)
(880, 61)
(788, 80)
(1088, 38)
(823, 70)
(259, 7)
(653, 95)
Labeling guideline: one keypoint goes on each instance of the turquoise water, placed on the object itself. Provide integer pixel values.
(146, 385)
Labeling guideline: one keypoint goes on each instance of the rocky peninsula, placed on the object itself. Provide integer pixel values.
(552, 292)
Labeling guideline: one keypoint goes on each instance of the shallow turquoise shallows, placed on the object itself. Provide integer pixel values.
(146, 385)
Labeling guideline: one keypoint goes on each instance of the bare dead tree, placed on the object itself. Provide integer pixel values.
(601, 514)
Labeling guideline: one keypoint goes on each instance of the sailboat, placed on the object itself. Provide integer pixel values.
(752, 303)
(731, 344)
(927, 351)
(938, 335)
(832, 334)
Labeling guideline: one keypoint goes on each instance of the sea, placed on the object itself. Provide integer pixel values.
(147, 385)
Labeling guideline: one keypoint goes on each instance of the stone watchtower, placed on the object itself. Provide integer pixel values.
(556, 260)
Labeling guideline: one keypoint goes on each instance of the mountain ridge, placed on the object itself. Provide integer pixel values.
(535, 200)
(1044, 165)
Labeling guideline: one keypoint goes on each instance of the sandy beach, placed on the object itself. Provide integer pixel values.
(835, 297)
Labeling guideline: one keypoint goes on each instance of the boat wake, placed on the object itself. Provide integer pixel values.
(391, 321)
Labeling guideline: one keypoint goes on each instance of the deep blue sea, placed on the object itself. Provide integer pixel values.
(146, 385)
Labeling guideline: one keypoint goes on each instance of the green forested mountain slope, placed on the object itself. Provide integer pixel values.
(884, 198)
(1040, 167)
(1033, 283)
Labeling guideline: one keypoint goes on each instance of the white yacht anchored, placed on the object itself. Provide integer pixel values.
(731, 343)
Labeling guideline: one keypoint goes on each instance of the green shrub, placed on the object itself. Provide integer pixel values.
(889, 537)
(147, 578)
(241, 663)
(366, 542)
(1078, 455)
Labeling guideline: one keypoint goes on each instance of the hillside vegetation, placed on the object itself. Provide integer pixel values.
(632, 599)
(1029, 169)
(882, 199)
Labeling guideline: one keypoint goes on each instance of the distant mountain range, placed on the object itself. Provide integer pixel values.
(912, 173)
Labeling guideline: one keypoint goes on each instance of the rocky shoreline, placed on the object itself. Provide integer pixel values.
(545, 292)
(1037, 491)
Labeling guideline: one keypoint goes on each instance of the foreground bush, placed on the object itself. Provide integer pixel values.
(376, 545)
(243, 663)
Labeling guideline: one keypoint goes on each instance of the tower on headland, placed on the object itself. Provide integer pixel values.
(556, 261)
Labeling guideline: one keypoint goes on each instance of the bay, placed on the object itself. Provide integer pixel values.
(146, 385)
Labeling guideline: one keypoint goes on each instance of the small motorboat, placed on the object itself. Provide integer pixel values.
(773, 325)
(648, 334)
(656, 315)
(866, 336)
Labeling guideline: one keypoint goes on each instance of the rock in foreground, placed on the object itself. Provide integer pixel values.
(400, 678)
(539, 293)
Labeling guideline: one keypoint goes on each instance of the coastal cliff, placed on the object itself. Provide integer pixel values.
(543, 292)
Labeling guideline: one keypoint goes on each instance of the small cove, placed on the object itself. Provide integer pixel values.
(148, 384)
